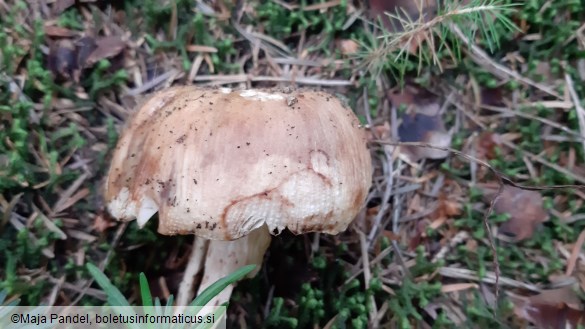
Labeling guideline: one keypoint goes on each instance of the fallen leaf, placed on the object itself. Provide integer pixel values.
(454, 287)
(61, 5)
(426, 129)
(62, 59)
(391, 235)
(486, 144)
(419, 237)
(106, 47)
(57, 31)
(492, 96)
(379, 131)
(85, 47)
(347, 47)
(102, 222)
(525, 209)
(418, 99)
(551, 309)
(447, 207)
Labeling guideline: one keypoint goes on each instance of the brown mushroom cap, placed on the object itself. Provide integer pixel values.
(219, 163)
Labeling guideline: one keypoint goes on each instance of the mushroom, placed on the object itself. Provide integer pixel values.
(233, 167)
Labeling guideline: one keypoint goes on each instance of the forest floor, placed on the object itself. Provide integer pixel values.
(500, 83)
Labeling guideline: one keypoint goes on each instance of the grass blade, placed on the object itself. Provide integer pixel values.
(115, 297)
(220, 284)
(145, 291)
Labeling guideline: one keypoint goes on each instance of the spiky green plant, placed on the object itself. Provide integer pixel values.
(416, 43)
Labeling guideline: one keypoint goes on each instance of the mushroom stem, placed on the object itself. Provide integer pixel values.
(200, 246)
(225, 257)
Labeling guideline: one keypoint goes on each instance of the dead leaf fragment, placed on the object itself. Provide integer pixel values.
(426, 129)
(486, 144)
(85, 47)
(492, 96)
(102, 222)
(59, 32)
(412, 97)
(106, 47)
(552, 309)
(62, 59)
(525, 208)
(61, 5)
(447, 207)
(347, 46)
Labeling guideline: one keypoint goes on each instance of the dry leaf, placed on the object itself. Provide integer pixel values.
(391, 235)
(418, 99)
(447, 207)
(554, 309)
(61, 5)
(106, 47)
(525, 209)
(62, 59)
(102, 222)
(85, 47)
(486, 144)
(426, 129)
(57, 31)
(347, 47)
(492, 96)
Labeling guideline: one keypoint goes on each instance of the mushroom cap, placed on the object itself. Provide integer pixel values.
(219, 163)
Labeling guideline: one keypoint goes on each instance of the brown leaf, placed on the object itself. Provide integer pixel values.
(102, 222)
(492, 96)
(447, 207)
(57, 31)
(347, 47)
(379, 131)
(62, 59)
(61, 5)
(525, 209)
(554, 309)
(85, 47)
(413, 97)
(486, 145)
(426, 129)
(105, 47)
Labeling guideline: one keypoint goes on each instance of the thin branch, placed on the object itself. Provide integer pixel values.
(578, 108)
(502, 180)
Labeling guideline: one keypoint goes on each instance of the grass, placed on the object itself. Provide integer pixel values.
(56, 133)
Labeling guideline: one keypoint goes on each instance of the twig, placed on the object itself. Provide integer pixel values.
(104, 262)
(496, 172)
(533, 117)
(558, 168)
(489, 277)
(497, 69)
(502, 180)
(578, 108)
(237, 78)
(367, 273)
(152, 83)
(575, 253)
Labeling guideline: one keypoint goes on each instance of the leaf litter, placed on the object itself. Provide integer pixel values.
(525, 209)
(434, 215)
